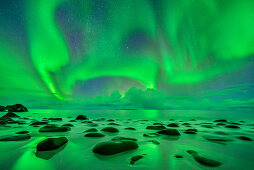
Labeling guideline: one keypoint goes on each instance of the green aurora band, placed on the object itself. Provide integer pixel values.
(184, 41)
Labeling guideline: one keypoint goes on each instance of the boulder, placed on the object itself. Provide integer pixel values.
(110, 129)
(204, 161)
(81, 117)
(91, 130)
(51, 143)
(169, 132)
(135, 159)
(23, 132)
(16, 108)
(172, 125)
(114, 147)
(54, 129)
(158, 127)
(94, 134)
(130, 128)
(16, 138)
(2, 108)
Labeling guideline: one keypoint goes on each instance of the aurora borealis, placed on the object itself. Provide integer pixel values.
(169, 51)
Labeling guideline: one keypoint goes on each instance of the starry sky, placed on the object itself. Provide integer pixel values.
(150, 54)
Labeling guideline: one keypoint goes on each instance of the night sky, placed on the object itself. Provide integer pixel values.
(151, 54)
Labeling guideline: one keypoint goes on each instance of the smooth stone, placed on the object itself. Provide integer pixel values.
(159, 127)
(54, 129)
(9, 115)
(221, 133)
(153, 141)
(81, 117)
(38, 123)
(207, 126)
(217, 139)
(94, 134)
(169, 132)
(23, 132)
(91, 130)
(55, 119)
(114, 147)
(68, 125)
(51, 143)
(172, 125)
(134, 159)
(119, 138)
(232, 126)
(110, 129)
(191, 131)
(115, 124)
(244, 138)
(204, 161)
(178, 156)
(151, 135)
(16, 138)
(160, 124)
(130, 128)
(220, 120)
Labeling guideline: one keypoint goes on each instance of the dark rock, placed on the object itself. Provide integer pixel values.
(110, 120)
(221, 133)
(54, 129)
(51, 143)
(207, 126)
(9, 115)
(169, 132)
(110, 129)
(16, 138)
(186, 124)
(16, 108)
(204, 161)
(72, 121)
(130, 128)
(217, 139)
(115, 124)
(244, 138)
(220, 124)
(178, 156)
(191, 131)
(23, 132)
(91, 130)
(114, 147)
(94, 134)
(172, 125)
(2, 108)
(2, 122)
(38, 123)
(81, 117)
(151, 135)
(221, 120)
(55, 119)
(160, 124)
(119, 138)
(159, 127)
(232, 126)
(68, 125)
(193, 120)
(87, 121)
(135, 159)
(235, 123)
(153, 141)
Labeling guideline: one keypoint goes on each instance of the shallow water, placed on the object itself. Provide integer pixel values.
(78, 155)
